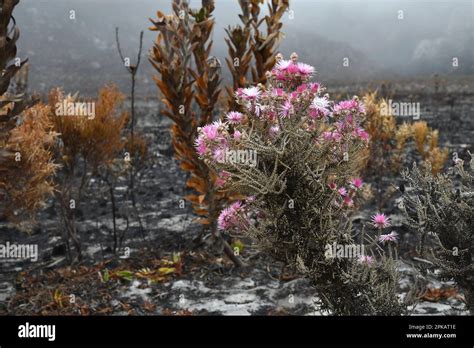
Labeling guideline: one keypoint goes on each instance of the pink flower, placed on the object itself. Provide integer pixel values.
(278, 92)
(201, 147)
(294, 95)
(222, 178)
(367, 260)
(346, 105)
(237, 205)
(305, 69)
(336, 136)
(314, 87)
(332, 186)
(320, 106)
(292, 69)
(391, 237)
(380, 221)
(361, 133)
(237, 135)
(219, 182)
(234, 117)
(210, 131)
(233, 217)
(274, 130)
(251, 93)
(357, 183)
(286, 109)
(223, 142)
(271, 115)
(219, 154)
(349, 119)
(350, 105)
(280, 76)
(301, 88)
(342, 191)
(348, 201)
(225, 219)
(283, 65)
(327, 135)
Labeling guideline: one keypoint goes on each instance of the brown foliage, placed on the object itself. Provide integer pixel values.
(263, 45)
(249, 40)
(426, 141)
(182, 36)
(389, 143)
(178, 40)
(25, 160)
(86, 145)
(98, 140)
(26, 172)
(390, 140)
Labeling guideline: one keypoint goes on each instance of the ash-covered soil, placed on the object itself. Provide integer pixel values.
(167, 272)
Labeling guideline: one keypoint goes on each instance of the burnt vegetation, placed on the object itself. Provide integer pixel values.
(89, 179)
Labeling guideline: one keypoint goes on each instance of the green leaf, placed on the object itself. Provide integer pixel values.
(127, 275)
(239, 245)
(166, 270)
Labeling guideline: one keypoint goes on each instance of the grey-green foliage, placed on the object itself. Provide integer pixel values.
(298, 234)
(440, 209)
(300, 189)
(298, 219)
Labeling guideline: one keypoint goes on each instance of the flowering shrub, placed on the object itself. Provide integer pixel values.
(303, 185)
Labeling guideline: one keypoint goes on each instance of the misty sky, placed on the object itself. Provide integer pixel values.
(323, 32)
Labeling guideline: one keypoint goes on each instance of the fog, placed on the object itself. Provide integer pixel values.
(382, 39)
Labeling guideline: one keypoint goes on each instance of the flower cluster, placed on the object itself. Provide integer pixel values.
(234, 218)
(289, 97)
(346, 195)
(213, 141)
(381, 221)
(366, 260)
(303, 181)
